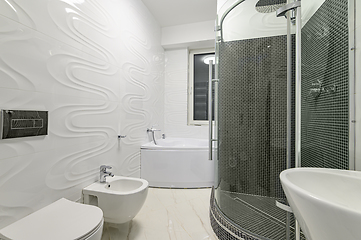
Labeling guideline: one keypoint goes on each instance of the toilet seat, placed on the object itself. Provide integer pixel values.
(61, 220)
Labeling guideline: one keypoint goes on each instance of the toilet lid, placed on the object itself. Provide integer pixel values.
(60, 220)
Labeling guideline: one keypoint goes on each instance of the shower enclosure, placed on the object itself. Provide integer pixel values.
(266, 119)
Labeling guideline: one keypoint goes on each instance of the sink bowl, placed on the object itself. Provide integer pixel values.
(120, 198)
(123, 185)
(326, 202)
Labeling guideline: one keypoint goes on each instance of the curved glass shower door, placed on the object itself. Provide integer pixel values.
(254, 136)
(252, 126)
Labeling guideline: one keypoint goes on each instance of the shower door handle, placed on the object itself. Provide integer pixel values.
(210, 109)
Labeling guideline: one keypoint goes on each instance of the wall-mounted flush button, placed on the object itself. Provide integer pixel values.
(23, 123)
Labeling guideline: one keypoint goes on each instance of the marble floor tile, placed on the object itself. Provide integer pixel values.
(167, 214)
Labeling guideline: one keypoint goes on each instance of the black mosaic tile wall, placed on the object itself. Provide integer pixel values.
(324, 121)
(252, 125)
(252, 115)
(227, 229)
(223, 227)
(252, 134)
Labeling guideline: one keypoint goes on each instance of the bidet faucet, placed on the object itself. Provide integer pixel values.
(104, 173)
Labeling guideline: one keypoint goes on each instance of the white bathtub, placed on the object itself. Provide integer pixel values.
(177, 163)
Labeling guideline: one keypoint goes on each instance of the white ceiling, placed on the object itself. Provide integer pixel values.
(177, 12)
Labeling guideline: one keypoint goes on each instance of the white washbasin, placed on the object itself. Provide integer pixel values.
(120, 198)
(326, 202)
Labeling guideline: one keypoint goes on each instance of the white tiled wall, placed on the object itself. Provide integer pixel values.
(176, 84)
(97, 66)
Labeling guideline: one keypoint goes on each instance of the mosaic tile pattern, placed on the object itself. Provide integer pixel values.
(223, 227)
(324, 123)
(227, 229)
(252, 109)
(252, 133)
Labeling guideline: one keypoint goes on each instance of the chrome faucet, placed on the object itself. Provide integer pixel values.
(153, 130)
(104, 173)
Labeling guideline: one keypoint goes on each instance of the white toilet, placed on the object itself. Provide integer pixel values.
(61, 220)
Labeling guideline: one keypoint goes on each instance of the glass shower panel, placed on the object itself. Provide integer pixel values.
(325, 84)
(252, 102)
(251, 64)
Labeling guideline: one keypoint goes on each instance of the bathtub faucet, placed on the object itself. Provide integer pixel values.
(104, 173)
(153, 130)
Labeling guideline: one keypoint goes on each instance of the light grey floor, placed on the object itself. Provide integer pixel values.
(167, 214)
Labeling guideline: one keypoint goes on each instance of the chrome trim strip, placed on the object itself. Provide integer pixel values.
(352, 55)
(210, 91)
(2, 123)
(298, 88)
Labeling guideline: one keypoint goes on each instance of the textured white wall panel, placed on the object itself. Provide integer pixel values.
(34, 62)
(175, 95)
(97, 67)
(81, 24)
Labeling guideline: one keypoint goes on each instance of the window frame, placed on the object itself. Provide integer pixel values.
(190, 110)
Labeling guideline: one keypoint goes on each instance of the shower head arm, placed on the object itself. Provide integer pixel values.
(291, 6)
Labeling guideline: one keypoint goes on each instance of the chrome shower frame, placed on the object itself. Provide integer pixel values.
(352, 56)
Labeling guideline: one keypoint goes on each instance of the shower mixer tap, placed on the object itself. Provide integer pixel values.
(153, 130)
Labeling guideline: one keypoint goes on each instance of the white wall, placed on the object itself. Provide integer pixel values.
(175, 106)
(97, 67)
(195, 35)
(177, 40)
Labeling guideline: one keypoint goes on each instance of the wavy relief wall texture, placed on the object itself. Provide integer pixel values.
(97, 67)
(175, 105)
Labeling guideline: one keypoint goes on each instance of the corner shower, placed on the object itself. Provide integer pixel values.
(265, 119)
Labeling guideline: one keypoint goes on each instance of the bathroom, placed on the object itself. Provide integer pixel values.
(105, 71)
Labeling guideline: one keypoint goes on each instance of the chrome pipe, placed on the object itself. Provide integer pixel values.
(298, 99)
(289, 111)
(216, 116)
(286, 8)
(215, 131)
(298, 88)
(210, 115)
(353, 165)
